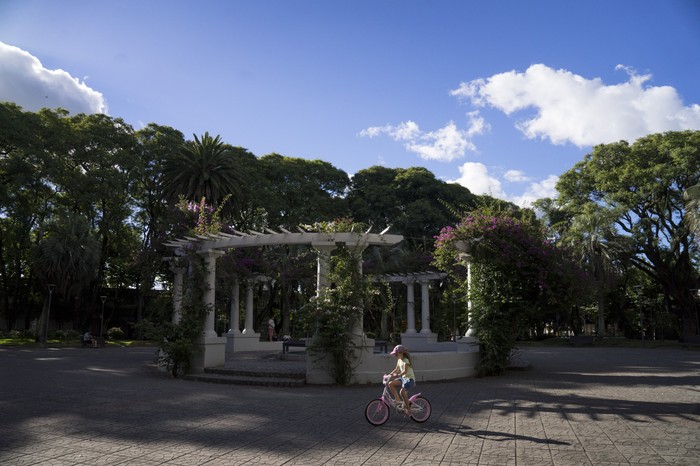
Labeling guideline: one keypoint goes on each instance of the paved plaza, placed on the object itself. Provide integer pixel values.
(576, 406)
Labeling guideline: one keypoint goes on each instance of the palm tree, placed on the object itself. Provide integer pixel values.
(202, 169)
(592, 238)
(68, 257)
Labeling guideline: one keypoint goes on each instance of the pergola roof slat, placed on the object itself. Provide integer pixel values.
(256, 238)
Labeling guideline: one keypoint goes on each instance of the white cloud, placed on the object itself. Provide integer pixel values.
(445, 144)
(515, 176)
(585, 112)
(475, 177)
(537, 190)
(27, 83)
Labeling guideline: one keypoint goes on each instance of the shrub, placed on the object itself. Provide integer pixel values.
(21, 334)
(115, 333)
(72, 334)
(334, 315)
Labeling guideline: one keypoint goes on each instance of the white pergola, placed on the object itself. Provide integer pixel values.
(426, 339)
(213, 245)
(410, 279)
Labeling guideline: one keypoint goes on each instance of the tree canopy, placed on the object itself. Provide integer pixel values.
(641, 185)
(86, 203)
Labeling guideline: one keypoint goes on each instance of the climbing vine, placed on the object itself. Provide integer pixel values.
(516, 272)
(337, 311)
(179, 343)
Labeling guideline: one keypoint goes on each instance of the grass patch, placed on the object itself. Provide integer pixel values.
(30, 343)
(18, 342)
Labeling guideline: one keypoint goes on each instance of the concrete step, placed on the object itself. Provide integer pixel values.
(257, 373)
(252, 376)
(267, 380)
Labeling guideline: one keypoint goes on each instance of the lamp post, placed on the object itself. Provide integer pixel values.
(102, 316)
(48, 315)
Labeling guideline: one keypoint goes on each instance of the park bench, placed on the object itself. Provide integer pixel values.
(380, 346)
(291, 342)
(88, 343)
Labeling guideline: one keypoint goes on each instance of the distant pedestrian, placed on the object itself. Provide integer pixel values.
(270, 328)
(88, 339)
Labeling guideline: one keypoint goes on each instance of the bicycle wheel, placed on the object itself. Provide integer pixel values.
(376, 412)
(420, 409)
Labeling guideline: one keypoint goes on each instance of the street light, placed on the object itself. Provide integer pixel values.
(48, 315)
(102, 316)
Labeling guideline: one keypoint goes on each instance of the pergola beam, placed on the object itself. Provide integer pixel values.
(256, 238)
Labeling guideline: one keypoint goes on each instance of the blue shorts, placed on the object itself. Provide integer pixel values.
(407, 383)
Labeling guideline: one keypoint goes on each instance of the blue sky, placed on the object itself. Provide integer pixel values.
(500, 96)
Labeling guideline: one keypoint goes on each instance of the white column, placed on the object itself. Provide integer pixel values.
(209, 297)
(360, 327)
(324, 251)
(470, 331)
(179, 272)
(235, 310)
(425, 308)
(249, 309)
(410, 308)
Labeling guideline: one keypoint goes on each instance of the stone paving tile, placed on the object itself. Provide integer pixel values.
(576, 407)
(570, 458)
(681, 460)
(8, 457)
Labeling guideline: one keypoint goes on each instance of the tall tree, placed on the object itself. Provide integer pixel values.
(153, 215)
(592, 239)
(411, 200)
(26, 197)
(692, 206)
(202, 169)
(99, 170)
(643, 184)
(300, 191)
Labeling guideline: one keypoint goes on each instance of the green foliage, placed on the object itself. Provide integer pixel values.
(20, 334)
(66, 335)
(208, 217)
(179, 343)
(88, 201)
(336, 312)
(516, 275)
(642, 185)
(115, 333)
(411, 200)
(692, 206)
(202, 169)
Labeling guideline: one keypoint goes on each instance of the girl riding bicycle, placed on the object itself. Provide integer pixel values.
(406, 378)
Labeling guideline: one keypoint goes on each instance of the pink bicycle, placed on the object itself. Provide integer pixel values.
(377, 410)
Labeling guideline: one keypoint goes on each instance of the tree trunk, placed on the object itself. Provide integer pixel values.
(601, 312)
